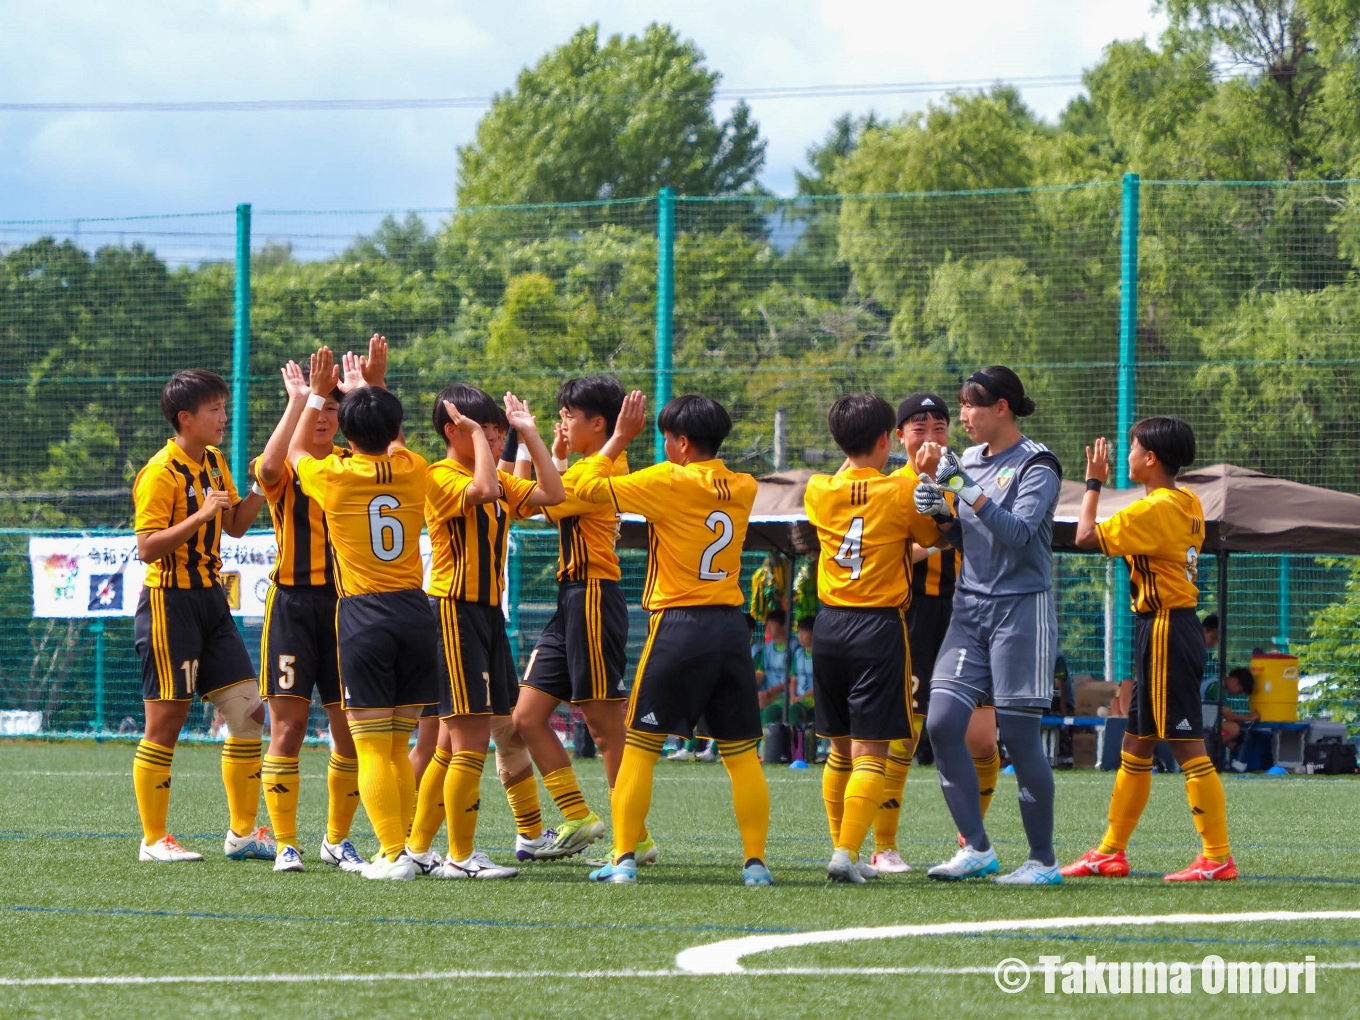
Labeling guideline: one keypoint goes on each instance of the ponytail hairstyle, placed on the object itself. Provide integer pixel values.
(994, 383)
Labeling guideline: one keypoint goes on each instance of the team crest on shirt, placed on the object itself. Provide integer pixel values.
(1004, 476)
(231, 583)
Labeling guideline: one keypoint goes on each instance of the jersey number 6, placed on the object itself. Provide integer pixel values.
(385, 533)
(721, 525)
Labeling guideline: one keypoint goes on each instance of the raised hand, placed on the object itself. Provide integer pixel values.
(353, 377)
(294, 382)
(928, 459)
(374, 366)
(462, 424)
(518, 415)
(325, 376)
(560, 448)
(632, 416)
(950, 475)
(929, 498)
(1098, 462)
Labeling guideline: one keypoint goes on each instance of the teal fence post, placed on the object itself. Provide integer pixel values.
(240, 352)
(1127, 402)
(665, 305)
(1282, 639)
(97, 629)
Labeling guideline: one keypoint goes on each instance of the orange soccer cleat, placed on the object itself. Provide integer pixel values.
(1093, 862)
(1205, 870)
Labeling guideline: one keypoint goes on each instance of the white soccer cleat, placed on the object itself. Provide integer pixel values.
(341, 855)
(479, 865)
(425, 863)
(403, 869)
(1032, 872)
(967, 863)
(534, 849)
(289, 858)
(843, 869)
(258, 845)
(709, 753)
(865, 869)
(889, 862)
(166, 850)
(681, 754)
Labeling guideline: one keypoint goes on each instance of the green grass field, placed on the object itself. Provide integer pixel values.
(77, 904)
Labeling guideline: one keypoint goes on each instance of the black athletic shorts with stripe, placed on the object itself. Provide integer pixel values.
(927, 621)
(861, 674)
(297, 645)
(476, 666)
(1169, 652)
(582, 652)
(188, 643)
(388, 647)
(696, 675)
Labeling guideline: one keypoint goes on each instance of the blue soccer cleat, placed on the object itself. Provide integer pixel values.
(757, 874)
(618, 872)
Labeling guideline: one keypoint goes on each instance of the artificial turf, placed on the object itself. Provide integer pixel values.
(76, 902)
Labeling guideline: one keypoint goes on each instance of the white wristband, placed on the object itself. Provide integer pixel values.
(561, 463)
(523, 454)
(255, 488)
(316, 401)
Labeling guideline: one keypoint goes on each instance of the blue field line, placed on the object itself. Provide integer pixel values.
(456, 922)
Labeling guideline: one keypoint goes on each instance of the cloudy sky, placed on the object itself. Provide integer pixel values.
(113, 164)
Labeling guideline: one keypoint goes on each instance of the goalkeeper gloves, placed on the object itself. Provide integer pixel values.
(929, 499)
(950, 475)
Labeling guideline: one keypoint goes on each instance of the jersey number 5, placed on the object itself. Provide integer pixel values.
(385, 533)
(850, 554)
(721, 525)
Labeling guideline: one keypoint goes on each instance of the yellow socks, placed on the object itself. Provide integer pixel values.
(463, 800)
(750, 795)
(151, 783)
(523, 798)
(863, 795)
(642, 836)
(401, 767)
(241, 777)
(834, 777)
(633, 789)
(988, 769)
(1132, 784)
(890, 809)
(430, 803)
(279, 777)
(342, 785)
(1204, 791)
(566, 793)
(378, 783)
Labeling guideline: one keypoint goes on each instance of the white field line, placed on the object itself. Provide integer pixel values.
(725, 957)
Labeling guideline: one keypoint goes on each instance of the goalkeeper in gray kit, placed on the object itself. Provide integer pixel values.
(1002, 641)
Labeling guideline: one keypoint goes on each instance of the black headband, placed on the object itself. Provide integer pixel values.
(995, 387)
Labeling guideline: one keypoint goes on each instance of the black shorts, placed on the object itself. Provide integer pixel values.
(476, 667)
(927, 620)
(1169, 652)
(189, 643)
(696, 675)
(387, 643)
(582, 652)
(861, 674)
(297, 645)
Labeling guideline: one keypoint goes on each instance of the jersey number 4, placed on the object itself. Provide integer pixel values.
(385, 533)
(850, 554)
(721, 525)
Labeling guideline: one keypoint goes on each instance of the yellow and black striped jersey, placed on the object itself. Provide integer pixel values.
(468, 542)
(304, 558)
(168, 490)
(1160, 537)
(697, 515)
(934, 575)
(865, 523)
(586, 532)
(374, 507)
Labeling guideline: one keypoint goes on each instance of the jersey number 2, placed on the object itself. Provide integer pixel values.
(385, 533)
(721, 525)
(849, 555)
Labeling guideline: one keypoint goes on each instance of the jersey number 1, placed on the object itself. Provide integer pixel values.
(850, 554)
(721, 525)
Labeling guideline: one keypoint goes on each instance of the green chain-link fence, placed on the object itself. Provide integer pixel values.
(1244, 319)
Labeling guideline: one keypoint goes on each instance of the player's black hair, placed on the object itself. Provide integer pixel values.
(371, 417)
(592, 395)
(776, 616)
(1245, 678)
(1171, 440)
(858, 421)
(996, 383)
(807, 622)
(1210, 622)
(189, 390)
(705, 423)
(471, 402)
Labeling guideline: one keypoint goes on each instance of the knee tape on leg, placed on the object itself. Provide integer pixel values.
(238, 704)
(512, 757)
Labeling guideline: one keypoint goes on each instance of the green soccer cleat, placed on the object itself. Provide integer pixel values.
(646, 852)
(573, 836)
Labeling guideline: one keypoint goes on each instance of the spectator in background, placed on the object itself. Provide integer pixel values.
(1238, 716)
(800, 684)
(1210, 627)
(771, 659)
(1064, 697)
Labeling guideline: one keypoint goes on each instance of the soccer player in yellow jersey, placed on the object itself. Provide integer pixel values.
(581, 652)
(297, 646)
(374, 500)
(184, 633)
(695, 672)
(1160, 537)
(861, 658)
(469, 505)
(924, 418)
